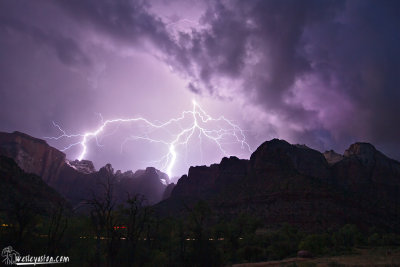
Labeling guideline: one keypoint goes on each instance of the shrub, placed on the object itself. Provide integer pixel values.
(347, 237)
(317, 244)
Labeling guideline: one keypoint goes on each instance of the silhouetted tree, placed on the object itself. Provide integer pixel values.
(57, 225)
(104, 221)
(22, 216)
(205, 253)
(137, 217)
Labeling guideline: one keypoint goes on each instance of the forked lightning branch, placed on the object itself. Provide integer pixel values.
(201, 126)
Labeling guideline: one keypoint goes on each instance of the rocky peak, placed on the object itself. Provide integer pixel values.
(231, 162)
(332, 157)
(231, 169)
(302, 146)
(36, 156)
(83, 166)
(198, 172)
(151, 174)
(107, 169)
(274, 144)
(128, 174)
(28, 137)
(32, 155)
(295, 184)
(363, 151)
(199, 181)
(164, 178)
(151, 171)
(279, 155)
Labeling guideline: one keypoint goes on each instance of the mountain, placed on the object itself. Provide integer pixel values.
(78, 186)
(332, 157)
(78, 180)
(19, 190)
(285, 183)
(281, 183)
(32, 155)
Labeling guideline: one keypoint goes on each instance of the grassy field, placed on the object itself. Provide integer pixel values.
(360, 257)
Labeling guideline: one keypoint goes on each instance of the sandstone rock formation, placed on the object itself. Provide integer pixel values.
(295, 184)
(21, 190)
(83, 166)
(332, 157)
(32, 155)
(78, 180)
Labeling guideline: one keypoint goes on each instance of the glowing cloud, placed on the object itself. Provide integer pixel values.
(215, 129)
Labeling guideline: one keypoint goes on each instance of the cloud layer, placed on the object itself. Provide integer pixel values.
(323, 73)
(328, 70)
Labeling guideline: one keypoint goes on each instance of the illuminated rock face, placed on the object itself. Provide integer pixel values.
(332, 157)
(78, 180)
(32, 155)
(84, 166)
(78, 186)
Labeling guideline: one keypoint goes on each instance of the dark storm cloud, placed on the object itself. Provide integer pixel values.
(366, 60)
(31, 80)
(66, 48)
(129, 21)
(328, 71)
(344, 53)
(132, 23)
(266, 32)
(42, 68)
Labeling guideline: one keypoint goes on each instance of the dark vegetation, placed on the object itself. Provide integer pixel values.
(133, 234)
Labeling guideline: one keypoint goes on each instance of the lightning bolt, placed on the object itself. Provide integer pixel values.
(200, 122)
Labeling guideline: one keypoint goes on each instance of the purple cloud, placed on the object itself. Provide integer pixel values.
(323, 73)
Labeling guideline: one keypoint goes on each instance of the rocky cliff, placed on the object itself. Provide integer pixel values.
(291, 183)
(332, 157)
(32, 155)
(20, 190)
(78, 180)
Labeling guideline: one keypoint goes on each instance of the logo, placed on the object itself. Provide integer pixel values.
(9, 255)
(12, 257)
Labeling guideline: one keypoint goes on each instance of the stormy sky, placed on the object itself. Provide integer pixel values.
(321, 73)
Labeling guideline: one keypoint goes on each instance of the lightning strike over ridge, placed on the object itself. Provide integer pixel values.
(200, 122)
